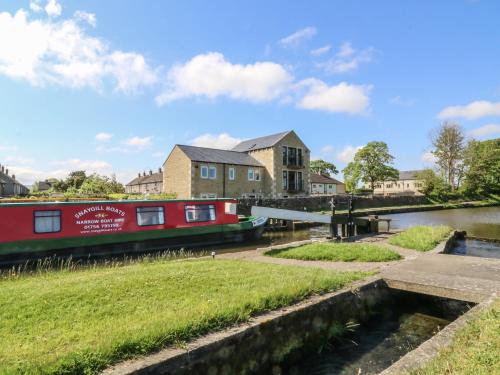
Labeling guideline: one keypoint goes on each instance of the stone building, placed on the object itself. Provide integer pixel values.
(9, 186)
(275, 166)
(406, 184)
(146, 183)
(325, 185)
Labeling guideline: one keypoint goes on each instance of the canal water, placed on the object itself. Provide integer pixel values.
(481, 222)
(477, 248)
(373, 346)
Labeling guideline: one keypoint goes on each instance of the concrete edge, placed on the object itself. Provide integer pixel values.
(142, 364)
(444, 245)
(428, 350)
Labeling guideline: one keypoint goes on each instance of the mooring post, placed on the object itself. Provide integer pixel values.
(333, 227)
(350, 220)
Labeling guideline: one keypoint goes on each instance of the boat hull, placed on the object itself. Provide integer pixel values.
(132, 243)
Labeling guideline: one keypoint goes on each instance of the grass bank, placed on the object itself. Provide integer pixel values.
(82, 321)
(337, 252)
(475, 350)
(421, 237)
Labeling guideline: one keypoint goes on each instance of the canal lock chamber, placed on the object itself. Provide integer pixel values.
(359, 331)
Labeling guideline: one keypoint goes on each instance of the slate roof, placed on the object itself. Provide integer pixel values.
(212, 155)
(148, 179)
(322, 179)
(6, 179)
(408, 175)
(260, 143)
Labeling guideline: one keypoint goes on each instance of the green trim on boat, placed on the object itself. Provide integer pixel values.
(27, 246)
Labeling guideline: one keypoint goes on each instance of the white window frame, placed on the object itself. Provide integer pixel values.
(210, 170)
(251, 174)
(143, 220)
(204, 168)
(47, 221)
(232, 174)
(256, 174)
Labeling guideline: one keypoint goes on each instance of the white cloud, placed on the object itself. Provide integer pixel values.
(222, 141)
(398, 100)
(348, 59)
(485, 130)
(53, 8)
(298, 37)
(471, 111)
(35, 6)
(346, 155)
(211, 75)
(86, 165)
(28, 174)
(90, 18)
(138, 142)
(328, 149)
(43, 51)
(103, 137)
(321, 50)
(428, 157)
(344, 97)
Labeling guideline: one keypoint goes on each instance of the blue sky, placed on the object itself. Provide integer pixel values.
(110, 86)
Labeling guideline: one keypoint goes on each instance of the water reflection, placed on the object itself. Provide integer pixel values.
(477, 248)
(481, 222)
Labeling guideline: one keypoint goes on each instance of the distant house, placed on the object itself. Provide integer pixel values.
(326, 185)
(274, 166)
(406, 184)
(146, 183)
(41, 186)
(9, 186)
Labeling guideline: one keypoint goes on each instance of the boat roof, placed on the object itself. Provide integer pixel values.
(125, 201)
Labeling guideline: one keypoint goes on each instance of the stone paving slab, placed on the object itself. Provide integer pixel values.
(463, 277)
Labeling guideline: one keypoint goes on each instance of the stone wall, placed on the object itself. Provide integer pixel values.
(323, 202)
(265, 344)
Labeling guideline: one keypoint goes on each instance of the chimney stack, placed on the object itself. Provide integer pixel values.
(7, 172)
(13, 176)
(144, 174)
(159, 170)
(139, 174)
(150, 172)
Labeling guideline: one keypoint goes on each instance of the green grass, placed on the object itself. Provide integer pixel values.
(475, 349)
(84, 320)
(421, 238)
(338, 252)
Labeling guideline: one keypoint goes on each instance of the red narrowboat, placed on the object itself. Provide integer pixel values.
(35, 230)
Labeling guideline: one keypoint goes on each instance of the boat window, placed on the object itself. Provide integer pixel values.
(150, 216)
(200, 213)
(47, 221)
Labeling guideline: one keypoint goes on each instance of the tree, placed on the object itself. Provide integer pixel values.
(433, 185)
(482, 167)
(323, 167)
(371, 164)
(76, 179)
(449, 146)
(100, 185)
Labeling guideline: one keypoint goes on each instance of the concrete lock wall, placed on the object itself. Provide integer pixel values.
(266, 343)
(323, 202)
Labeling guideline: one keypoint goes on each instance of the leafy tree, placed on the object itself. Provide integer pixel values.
(433, 185)
(371, 164)
(323, 167)
(482, 167)
(76, 179)
(100, 185)
(449, 146)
